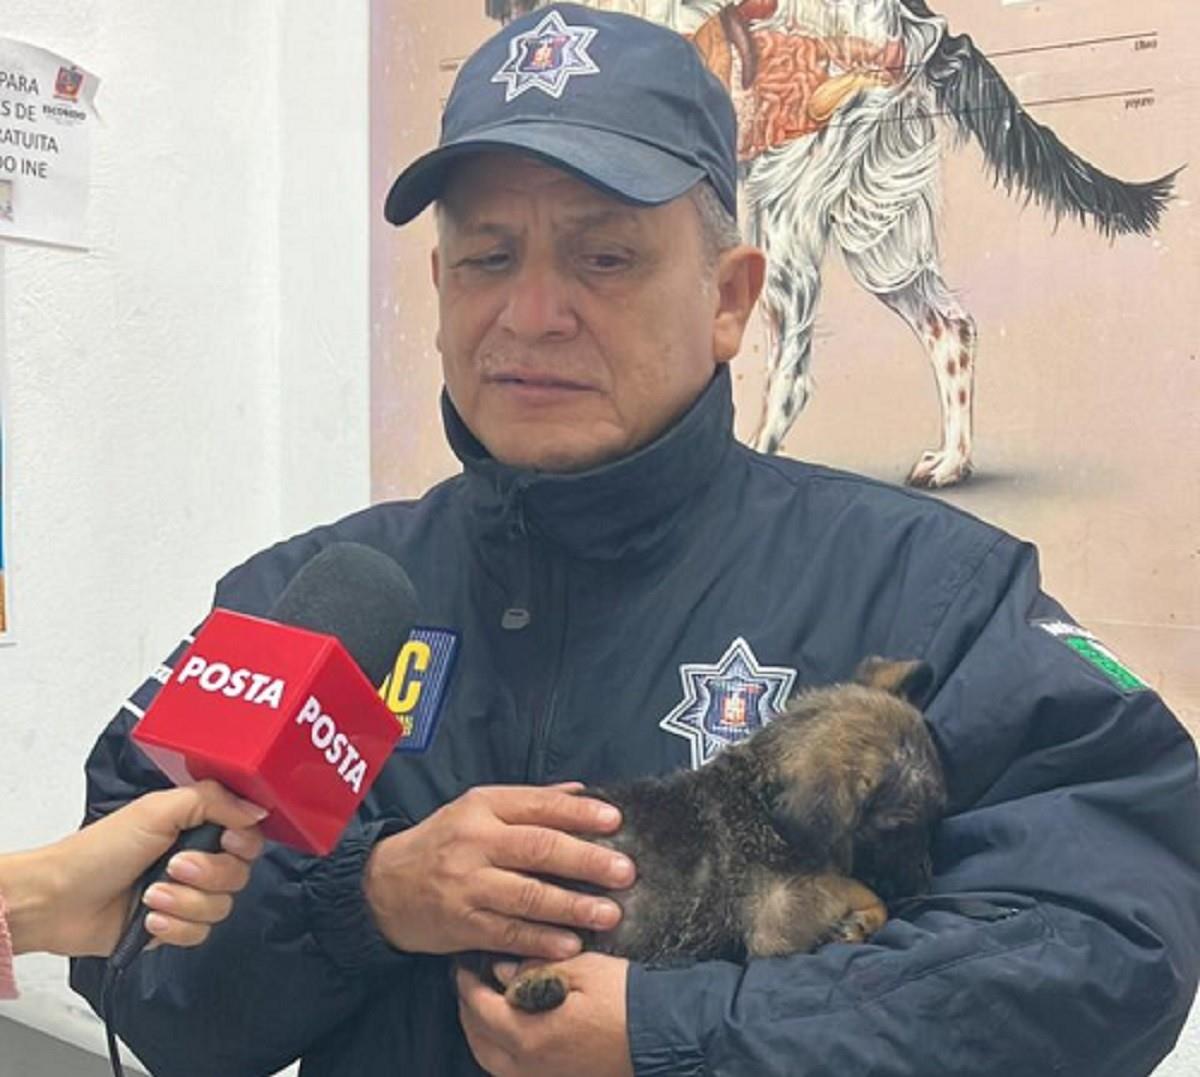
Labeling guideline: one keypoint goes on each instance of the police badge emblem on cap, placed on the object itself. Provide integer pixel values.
(546, 57)
(624, 104)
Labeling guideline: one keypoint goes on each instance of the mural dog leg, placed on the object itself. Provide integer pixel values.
(899, 264)
(949, 336)
(866, 175)
(894, 256)
(794, 251)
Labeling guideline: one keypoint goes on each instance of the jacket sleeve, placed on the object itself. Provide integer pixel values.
(1060, 934)
(296, 956)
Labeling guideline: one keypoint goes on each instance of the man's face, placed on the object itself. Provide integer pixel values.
(574, 328)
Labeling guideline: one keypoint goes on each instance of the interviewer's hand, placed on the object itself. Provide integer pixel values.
(471, 876)
(73, 897)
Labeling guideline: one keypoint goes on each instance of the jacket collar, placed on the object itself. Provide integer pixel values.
(619, 509)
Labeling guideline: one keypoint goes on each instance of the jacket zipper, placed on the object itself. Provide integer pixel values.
(555, 619)
(542, 608)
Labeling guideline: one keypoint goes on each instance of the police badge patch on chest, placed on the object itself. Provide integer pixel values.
(725, 702)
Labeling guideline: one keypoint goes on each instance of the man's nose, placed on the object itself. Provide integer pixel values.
(538, 304)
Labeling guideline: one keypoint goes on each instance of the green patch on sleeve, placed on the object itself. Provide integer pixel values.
(1123, 678)
(1092, 651)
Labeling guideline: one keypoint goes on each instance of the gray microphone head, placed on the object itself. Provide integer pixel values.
(360, 596)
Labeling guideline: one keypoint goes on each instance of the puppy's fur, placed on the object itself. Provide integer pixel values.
(792, 838)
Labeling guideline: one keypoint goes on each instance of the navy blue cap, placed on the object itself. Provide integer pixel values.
(624, 104)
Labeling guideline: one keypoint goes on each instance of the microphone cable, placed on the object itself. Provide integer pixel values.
(205, 838)
(108, 988)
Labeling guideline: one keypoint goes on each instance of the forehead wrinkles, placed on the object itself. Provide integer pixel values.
(509, 198)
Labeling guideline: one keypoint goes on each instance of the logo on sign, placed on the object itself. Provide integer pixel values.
(67, 83)
(220, 677)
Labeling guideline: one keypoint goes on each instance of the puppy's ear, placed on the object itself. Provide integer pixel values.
(909, 680)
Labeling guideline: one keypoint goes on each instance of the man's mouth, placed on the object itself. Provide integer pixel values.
(534, 381)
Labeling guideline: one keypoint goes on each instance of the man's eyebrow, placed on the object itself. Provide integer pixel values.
(600, 218)
(572, 224)
(477, 226)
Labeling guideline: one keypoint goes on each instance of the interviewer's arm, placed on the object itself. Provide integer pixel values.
(72, 897)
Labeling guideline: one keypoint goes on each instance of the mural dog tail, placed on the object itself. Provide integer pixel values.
(1025, 155)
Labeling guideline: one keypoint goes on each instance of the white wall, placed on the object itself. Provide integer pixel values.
(193, 387)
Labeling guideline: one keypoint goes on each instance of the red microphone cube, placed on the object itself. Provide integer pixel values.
(280, 715)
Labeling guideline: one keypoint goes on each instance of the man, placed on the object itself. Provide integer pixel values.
(620, 569)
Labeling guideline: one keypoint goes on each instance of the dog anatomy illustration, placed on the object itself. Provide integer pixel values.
(838, 105)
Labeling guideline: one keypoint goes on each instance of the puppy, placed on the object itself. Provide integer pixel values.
(790, 839)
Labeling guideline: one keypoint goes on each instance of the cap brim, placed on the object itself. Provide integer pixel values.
(624, 167)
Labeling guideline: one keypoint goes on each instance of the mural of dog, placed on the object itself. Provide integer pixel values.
(838, 105)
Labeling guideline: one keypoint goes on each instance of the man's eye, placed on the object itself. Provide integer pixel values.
(606, 261)
(492, 262)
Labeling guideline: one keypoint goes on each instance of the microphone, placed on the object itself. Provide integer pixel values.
(285, 711)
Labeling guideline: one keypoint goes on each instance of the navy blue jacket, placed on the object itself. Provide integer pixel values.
(1061, 934)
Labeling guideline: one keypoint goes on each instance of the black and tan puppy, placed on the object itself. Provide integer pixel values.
(792, 838)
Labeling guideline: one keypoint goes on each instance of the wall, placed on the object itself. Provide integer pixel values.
(192, 387)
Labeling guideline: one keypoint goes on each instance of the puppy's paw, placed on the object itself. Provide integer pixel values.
(857, 925)
(537, 990)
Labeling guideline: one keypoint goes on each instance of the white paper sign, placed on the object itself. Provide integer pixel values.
(46, 119)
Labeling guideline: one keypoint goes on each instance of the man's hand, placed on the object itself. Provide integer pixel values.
(584, 1037)
(73, 897)
(470, 876)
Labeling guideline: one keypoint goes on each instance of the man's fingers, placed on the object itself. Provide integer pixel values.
(482, 1036)
(559, 809)
(488, 1012)
(527, 898)
(551, 852)
(508, 935)
(506, 971)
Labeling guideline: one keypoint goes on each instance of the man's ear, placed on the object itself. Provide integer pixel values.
(435, 271)
(740, 272)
